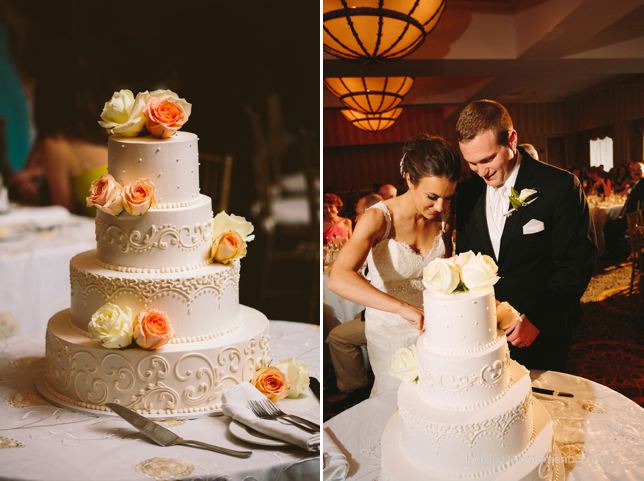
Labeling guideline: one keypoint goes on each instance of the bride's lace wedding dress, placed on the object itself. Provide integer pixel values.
(394, 268)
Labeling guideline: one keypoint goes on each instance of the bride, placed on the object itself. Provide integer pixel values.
(398, 238)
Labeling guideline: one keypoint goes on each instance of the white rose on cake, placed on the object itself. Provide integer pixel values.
(441, 275)
(297, 376)
(404, 365)
(123, 114)
(111, 326)
(479, 272)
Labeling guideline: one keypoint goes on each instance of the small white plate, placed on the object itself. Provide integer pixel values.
(240, 431)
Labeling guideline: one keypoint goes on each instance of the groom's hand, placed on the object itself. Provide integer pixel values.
(522, 333)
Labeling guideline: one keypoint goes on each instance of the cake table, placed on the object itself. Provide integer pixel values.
(598, 431)
(39, 441)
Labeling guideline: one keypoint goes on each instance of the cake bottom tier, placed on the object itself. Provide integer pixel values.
(177, 379)
(539, 461)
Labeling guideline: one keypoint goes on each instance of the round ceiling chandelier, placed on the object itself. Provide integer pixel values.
(377, 31)
(369, 95)
(372, 122)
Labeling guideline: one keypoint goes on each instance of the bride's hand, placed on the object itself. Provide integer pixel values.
(412, 314)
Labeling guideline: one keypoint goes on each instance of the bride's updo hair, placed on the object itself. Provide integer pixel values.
(429, 156)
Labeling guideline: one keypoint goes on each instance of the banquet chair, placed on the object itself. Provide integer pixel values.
(214, 178)
(289, 225)
(635, 231)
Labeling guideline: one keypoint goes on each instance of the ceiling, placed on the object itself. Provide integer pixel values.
(516, 51)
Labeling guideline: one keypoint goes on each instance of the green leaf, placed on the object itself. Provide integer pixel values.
(514, 192)
(516, 203)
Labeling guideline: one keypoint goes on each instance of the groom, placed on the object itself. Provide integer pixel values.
(542, 244)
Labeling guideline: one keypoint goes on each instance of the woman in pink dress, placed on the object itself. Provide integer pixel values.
(335, 228)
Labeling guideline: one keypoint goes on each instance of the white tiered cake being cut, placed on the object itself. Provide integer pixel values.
(155, 322)
(470, 413)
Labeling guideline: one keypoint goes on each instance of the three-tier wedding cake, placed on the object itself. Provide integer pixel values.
(155, 322)
(466, 410)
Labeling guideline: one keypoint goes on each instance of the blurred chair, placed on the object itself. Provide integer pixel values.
(290, 225)
(214, 177)
(635, 231)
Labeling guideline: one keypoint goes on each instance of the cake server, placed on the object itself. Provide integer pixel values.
(550, 392)
(164, 437)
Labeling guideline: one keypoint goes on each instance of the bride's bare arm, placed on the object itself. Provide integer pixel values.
(346, 282)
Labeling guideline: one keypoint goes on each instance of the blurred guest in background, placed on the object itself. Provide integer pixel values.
(622, 180)
(387, 191)
(600, 183)
(531, 150)
(335, 227)
(364, 203)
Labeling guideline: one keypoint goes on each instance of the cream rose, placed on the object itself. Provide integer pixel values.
(123, 114)
(105, 194)
(462, 259)
(271, 382)
(441, 275)
(525, 194)
(152, 329)
(297, 376)
(166, 113)
(236, 223)
(138, 197)
(479, 272)
(404, 365)
(506, 315)
(230, 235)
(111, 326)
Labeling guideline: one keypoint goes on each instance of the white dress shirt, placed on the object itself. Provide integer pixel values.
(497, 204)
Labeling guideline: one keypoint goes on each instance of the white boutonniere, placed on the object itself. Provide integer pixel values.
(521, 199)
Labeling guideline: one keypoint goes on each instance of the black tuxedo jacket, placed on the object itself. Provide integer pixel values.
(543, 274)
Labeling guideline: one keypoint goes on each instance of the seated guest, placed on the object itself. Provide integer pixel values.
(387, 191)
(364, 203)
(622, 180)
(531, 150)
(335, 227)
(600, 184)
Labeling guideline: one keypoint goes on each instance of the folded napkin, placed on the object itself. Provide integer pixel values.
(336, 466)
(235, 405)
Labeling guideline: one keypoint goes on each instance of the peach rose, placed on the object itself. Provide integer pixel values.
(166, 115)
(152, 329)
(105, 193)
(138, 197)
(506, 315)
(228, 247)
(271, 382)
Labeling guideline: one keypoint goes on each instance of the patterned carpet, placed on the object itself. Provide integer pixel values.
(608, 344)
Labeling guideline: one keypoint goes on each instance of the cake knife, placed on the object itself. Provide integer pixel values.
(164, 437)
(550, 392)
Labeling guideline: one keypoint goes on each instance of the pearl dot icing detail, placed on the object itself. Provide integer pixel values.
(178, 160)
(158, 149)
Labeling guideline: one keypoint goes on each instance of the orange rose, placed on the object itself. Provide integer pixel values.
(506, 315)
(165, 116)
(152, 329)
(227, 247)
(271, 382)
(105, 193)
(138, 197)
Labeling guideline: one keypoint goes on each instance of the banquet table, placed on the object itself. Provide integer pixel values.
(39, 441)
(600, 211)
(36, 244)
(598, 432)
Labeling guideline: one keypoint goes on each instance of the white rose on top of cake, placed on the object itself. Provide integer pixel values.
(155, 322)
(466, 410)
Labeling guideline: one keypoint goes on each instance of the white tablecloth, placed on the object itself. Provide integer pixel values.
(338, 307)
(600, 212)
(34, 265)
(43, 442)
(599, 431)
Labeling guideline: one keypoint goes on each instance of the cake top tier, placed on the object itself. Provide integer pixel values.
(178, 137)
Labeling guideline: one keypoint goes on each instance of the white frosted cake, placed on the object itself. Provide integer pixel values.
(158, 261)
(470, 414)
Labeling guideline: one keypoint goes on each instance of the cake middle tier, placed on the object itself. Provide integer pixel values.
(166, 239)
(464, 380)
(201, 304)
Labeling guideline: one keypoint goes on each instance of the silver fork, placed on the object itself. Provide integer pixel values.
(260, 410)
(274, 410)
